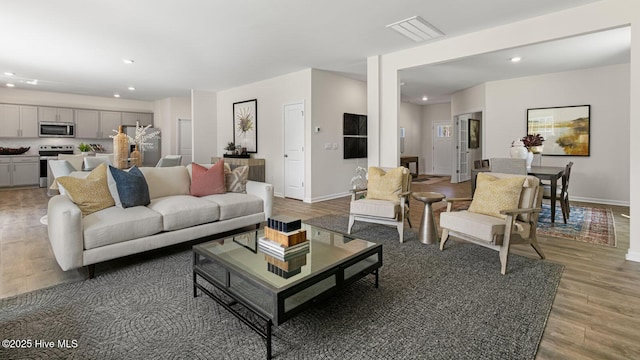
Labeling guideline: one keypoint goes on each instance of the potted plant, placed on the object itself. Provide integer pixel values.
(84, 148)
(533, 143)
(231, 148)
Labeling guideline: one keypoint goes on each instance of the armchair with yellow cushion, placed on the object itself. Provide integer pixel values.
(504, 211)
(387, 199)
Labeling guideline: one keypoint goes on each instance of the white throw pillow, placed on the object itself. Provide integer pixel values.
(91, 162)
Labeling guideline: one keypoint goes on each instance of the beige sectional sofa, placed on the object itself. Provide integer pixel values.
(172, 217)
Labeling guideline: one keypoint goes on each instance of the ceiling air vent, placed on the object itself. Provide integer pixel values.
(416, 29)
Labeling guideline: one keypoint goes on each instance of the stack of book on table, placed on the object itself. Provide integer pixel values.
(285, 246)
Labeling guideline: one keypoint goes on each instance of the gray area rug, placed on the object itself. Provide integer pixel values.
(430, 305)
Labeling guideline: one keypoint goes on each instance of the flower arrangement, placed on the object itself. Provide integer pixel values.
(142, 138)
(533, 143)
(359, 181)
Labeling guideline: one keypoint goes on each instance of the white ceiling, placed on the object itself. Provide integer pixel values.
(76, 46)
(439, 81)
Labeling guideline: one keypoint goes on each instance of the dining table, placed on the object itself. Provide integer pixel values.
(551, 173)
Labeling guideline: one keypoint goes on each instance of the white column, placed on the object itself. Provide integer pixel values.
(204, 105)
(634, 126)
(373, 110)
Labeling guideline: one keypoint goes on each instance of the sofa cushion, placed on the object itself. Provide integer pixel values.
(207, 181)
(115, 225)
(183, 211)
(483, 227)
(385, 185)
(236, 180)
(166, 181)
(373, 207)
(91, 194)
(132, 187)
(234, 205)
(494, 194)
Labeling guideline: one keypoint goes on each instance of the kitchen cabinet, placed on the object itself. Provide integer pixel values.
(130, 119)
(87, 124)
(5, 172)
(109, 121)
(19, 170)
(18, 120)
(54, 114)
(95, 124)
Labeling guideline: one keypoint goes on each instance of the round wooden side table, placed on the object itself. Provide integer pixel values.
(427, 233)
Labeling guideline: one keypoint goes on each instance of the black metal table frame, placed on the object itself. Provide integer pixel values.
(337, 269)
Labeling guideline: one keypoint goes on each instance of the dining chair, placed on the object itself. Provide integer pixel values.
(509, 166)
(485, 163)
(170, 160)
(477, 164)
(562, 192)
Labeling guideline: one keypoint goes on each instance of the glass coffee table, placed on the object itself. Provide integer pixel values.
(262, 290)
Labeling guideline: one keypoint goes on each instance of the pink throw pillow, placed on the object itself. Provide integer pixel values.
(207, 181)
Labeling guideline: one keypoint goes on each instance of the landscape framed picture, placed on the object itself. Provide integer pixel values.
(474, 134)
(566, 129)
(245, 125)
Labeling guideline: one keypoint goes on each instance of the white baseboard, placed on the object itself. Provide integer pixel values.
(599, 201)
(633, 256)
(329, 197)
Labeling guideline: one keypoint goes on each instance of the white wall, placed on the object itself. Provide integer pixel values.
(166, 115)
(604, 175)
(411, 120)
(272, 95)
(597, 16)
(332, 96)
(204, 121)
(430, 114)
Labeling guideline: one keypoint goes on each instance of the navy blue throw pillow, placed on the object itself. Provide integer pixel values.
(132, 187)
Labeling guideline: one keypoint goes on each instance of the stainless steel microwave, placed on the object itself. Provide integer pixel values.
(57, 129)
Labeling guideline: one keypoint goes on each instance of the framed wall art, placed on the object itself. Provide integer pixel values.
(566, 129)
(474, 134)
(245, 125)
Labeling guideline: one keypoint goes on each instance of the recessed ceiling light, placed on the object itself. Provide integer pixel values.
(515, 59)
(32, 82)
(131, 88)
(9, 73)
(425, 98)
(128, 61)
(10, 85)
(402, 83)
(116, 95)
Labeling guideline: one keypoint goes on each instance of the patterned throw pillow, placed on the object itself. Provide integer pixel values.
(132, 187)
(385, 185)
(494, 195)
(207, 181)
(91, 194)
(236, 180)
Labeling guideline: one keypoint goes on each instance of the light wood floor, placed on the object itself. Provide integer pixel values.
(595, 315)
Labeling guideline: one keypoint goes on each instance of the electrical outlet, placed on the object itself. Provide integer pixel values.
(327, 146)
(335, 146)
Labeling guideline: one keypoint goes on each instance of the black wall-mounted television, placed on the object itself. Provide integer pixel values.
(354, 124)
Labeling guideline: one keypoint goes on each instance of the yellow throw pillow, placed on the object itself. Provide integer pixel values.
(496, 194)
(384, 185)
(91, 194)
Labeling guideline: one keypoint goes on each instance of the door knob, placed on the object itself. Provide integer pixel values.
(285, 155)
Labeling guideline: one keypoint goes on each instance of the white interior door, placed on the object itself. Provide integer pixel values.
(442, 148)
(185, 142)
(294, 151)
(464, 173)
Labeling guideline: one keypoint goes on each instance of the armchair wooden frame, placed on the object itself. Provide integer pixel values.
(400, 216)
(512, 235)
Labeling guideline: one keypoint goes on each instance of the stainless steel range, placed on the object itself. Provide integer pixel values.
(48, 152)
